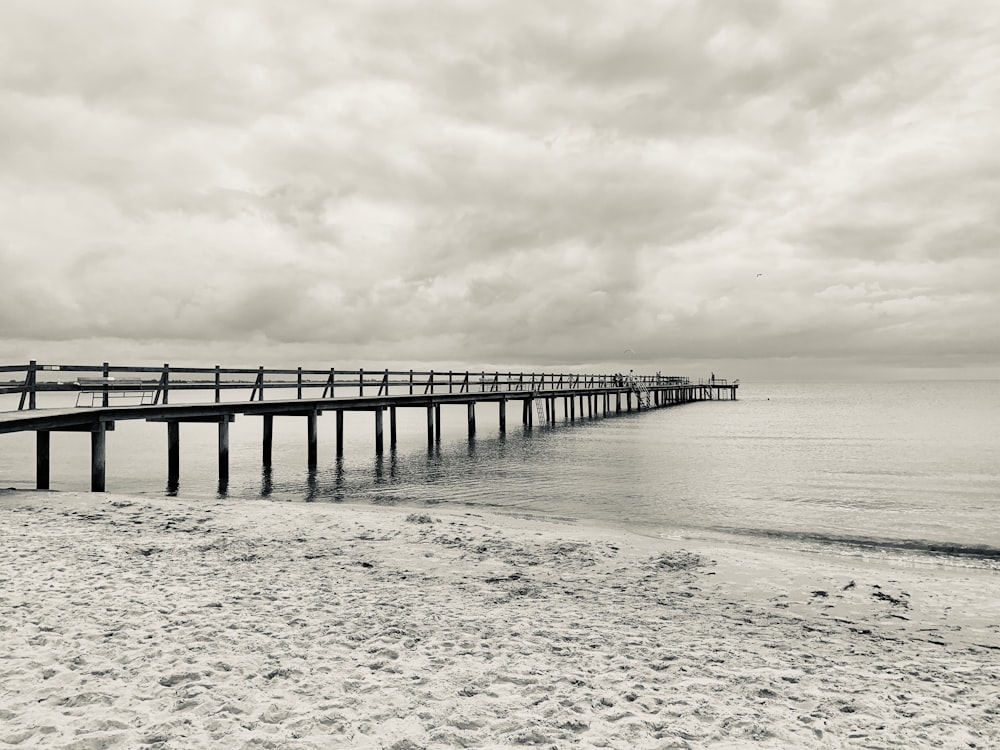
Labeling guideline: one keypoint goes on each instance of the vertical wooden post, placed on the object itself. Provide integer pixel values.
(165, 380)
(28, 388)
(340, 432)
(298, 384)
(42, 455)
(268, 440)
(224, 449)
(312, 438)
(361, 382)
(218, 384)
(98, 443)
(618, 403)
(105, 372)
(503, 415)
(378, 431)
(173, 452)
(437, 422)
(472, 418)
(32, 394)
(628, 400)
(572, 409)
(392, 427)
(430, 425)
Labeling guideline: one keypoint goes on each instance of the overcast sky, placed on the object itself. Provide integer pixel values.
(749, 186)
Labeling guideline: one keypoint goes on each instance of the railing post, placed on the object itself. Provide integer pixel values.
(105, 372)
(260, 380)
(361, 382)
(329, 383)
(411, 382)
(32, 394)
(218, 384)
(28, 387)
(165, 383)
(298, 384)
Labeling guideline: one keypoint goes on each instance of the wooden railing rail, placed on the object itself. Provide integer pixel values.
(28, 380)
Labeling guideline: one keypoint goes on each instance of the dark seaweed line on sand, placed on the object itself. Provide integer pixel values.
(980, 552)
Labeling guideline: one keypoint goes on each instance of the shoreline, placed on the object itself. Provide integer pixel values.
(176, 623)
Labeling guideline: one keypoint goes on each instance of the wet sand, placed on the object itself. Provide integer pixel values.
(171, 623)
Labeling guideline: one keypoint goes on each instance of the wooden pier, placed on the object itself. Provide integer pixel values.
(106, 394)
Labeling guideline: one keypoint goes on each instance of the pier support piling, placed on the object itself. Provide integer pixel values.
(223, 451)
(312, 440)
(378, 432)
(503, 416)
(268, 440)
(98, 445)
(472, 418)
(340, 433)
(173, 453)
(42, 457)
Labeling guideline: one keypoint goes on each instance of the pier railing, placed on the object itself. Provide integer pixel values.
(157, 385)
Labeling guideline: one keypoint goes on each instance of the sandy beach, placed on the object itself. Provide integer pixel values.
(149, 622)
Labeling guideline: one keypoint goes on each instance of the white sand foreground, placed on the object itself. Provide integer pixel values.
(146, 622)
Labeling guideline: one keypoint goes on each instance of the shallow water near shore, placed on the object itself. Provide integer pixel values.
(865, 468)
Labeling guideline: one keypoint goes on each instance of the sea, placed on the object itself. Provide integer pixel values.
(905, 469)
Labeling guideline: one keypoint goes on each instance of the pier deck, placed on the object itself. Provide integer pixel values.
(538, 394)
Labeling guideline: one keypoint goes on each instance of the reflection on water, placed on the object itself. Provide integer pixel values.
(836, 461)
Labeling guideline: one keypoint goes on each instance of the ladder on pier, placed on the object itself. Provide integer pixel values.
(539, 407)
(641, 391)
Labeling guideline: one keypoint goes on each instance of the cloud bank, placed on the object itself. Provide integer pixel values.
(547, 183)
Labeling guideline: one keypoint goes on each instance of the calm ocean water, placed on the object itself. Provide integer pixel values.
(905, 468)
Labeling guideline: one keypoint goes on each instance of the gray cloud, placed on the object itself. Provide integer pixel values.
(479, 181)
